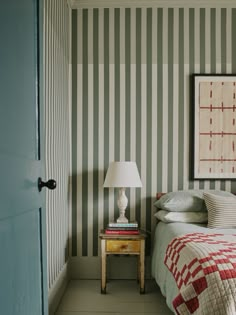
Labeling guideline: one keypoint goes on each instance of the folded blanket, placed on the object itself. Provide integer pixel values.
(204, 268)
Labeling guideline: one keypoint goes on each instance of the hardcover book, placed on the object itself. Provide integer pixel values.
(123, 228)
(122, 232)
(129, 224)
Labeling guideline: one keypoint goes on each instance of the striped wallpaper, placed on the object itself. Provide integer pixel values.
(57, 133)
(132, 100)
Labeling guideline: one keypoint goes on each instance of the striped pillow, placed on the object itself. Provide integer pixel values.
(221, 211)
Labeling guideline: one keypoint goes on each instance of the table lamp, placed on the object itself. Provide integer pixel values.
(122, 175)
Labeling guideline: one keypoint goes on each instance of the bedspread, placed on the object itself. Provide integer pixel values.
(204, 268)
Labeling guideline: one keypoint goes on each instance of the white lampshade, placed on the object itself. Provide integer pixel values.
(122, 174)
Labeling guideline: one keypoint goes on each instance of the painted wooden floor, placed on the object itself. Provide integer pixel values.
(83, 297)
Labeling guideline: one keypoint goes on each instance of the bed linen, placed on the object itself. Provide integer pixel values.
(164, 234)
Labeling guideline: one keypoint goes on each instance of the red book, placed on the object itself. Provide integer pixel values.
(122, 232)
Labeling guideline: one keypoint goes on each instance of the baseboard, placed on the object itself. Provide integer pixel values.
(57, 290)
(118, 267)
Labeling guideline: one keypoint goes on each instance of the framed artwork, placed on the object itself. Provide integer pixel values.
(214, 126)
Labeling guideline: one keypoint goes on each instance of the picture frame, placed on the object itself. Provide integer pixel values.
(214, 126)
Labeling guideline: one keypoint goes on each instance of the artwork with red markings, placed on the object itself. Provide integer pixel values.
(204, 268)
(215, 127)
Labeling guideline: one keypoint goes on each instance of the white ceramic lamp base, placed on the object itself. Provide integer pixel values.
(122, 203)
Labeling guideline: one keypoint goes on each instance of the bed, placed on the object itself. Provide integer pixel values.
(177, 244)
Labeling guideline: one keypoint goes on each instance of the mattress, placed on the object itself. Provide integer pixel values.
(164, 233)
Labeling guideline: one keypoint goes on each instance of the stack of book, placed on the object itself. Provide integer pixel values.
(115, 228)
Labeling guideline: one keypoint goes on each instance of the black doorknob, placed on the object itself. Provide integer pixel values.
(50, 184)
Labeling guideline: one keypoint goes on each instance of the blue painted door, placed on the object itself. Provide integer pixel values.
(23, 286)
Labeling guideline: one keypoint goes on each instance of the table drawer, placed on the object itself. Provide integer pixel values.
(122, 246)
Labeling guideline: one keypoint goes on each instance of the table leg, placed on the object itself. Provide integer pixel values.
(138, 269)
(103, 266)
(142, 267)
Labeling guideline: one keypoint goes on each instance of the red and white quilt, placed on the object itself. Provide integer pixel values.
(204, 268)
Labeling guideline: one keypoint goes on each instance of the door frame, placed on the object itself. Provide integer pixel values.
(41, 144)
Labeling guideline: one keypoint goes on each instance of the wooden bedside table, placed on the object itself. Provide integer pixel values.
(123, 244)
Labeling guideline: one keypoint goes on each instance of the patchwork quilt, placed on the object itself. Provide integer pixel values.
(204, 268)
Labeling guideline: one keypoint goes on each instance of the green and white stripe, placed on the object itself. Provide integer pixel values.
(134, 102)
(57, 133)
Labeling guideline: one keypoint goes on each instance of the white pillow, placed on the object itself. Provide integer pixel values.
(182, 201)
(186, 200)
(221, 211)
(185, 217)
